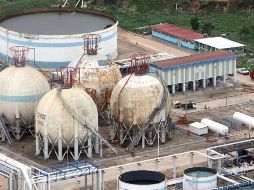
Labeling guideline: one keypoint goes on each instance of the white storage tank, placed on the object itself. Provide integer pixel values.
(215, 127)
(200, 178)
(56, 126)
(139, 105)
(142, 180)
(246, 119)
(136, 96)
(98, 73)
(21, 88)
(198, 128)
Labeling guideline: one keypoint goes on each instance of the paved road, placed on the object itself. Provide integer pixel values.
(212, 104)
(149, 43)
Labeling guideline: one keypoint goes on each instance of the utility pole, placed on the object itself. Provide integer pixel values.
(226, 92)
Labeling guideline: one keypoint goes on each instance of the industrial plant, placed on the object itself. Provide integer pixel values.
(91, 106)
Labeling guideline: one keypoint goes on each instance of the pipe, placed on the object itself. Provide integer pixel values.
(227, 179)
(24, 169)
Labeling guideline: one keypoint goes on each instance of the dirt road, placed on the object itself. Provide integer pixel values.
(244, 79)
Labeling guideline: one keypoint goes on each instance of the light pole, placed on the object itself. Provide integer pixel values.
(226, 92)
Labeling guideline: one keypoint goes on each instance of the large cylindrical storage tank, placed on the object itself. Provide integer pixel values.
(246, 119)
(57, 126)
(21, 89)
(199, 178)
(56, 34)
(97, 72)
(136, 96)
(215, 127)
(142, 180)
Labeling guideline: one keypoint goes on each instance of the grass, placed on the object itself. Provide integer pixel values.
(131, 20)
(228, 24)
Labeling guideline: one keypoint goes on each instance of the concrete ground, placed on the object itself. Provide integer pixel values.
(131, 43)
(3, 183)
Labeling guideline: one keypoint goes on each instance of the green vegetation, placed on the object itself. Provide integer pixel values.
(232, 25)
(138, 14)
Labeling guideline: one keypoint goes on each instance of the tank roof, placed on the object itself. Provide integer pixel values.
(57, 21)
(200, 172)
(142, 177)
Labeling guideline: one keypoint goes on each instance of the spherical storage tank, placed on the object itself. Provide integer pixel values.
(54, 120)
(56, 34)
(200, 178)
(136, 97)
(97, 72)
(142, 180)
(21, 88)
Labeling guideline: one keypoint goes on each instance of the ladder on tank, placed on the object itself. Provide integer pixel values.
(5, 130)
(79, 119)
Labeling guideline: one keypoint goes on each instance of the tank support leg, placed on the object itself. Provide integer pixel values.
(89, 153)
(46, 147)
(3, 135)
(60, 148)
(100, 148)
(18, 131)
(121, 134)
(163, 132)
(37, 144)
(143, 140)
(76, 149)
(97, 145)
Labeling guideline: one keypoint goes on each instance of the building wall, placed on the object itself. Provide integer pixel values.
(180, 42)
(52, 51)
(196, 71)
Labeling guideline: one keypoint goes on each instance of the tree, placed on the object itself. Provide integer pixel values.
(194, 23)
(207, 28)
(244, 31)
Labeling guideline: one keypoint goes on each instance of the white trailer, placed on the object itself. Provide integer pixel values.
(246, 119)
(215, 127)
(198, 128)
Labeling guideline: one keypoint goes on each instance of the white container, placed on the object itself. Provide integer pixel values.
(21, 88)
(215, 127)
(199, 178)
(198, 128)
(246, 119)
(142, 180)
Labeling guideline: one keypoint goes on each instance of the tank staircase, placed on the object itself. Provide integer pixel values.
(84, 123)
(5, 129)
(151, 117)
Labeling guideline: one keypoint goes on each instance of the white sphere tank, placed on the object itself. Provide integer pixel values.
(200, 178)
(246, 119)
(53, 120)
(139, 95)
(21, 88)
(142, 180)
(97, 72)
(215, 127)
